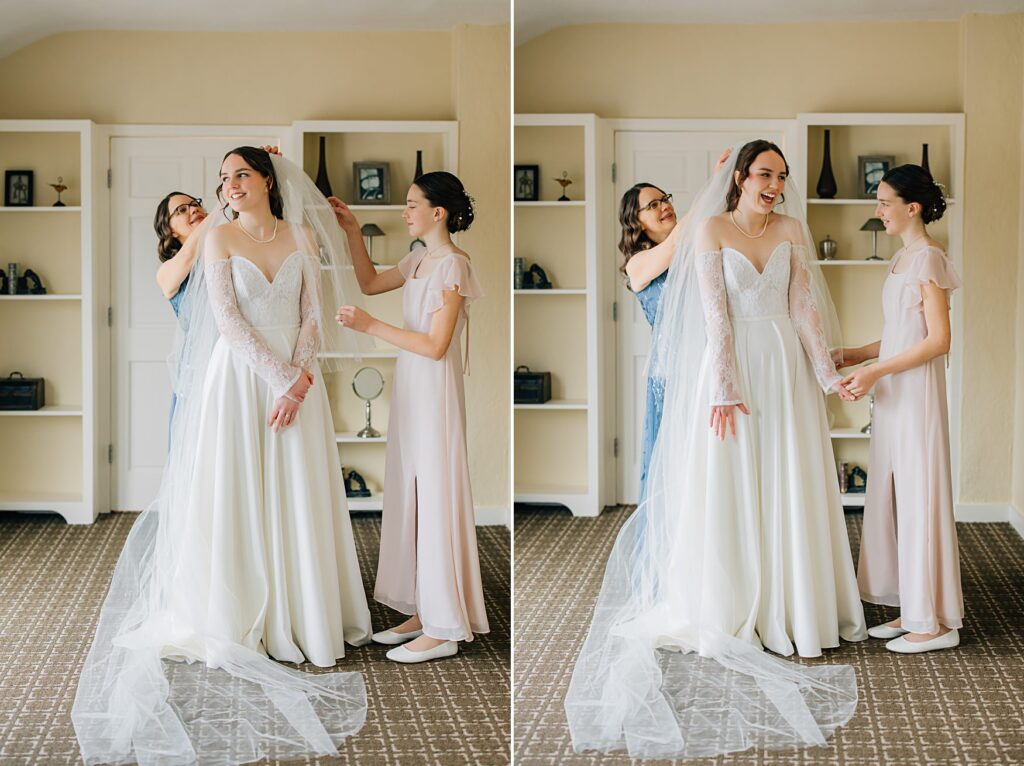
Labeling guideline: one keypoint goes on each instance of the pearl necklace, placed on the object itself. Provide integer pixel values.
(732, 217)
(259, 241)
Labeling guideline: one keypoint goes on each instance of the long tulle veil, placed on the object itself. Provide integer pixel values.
(155, 689)
(721, 694)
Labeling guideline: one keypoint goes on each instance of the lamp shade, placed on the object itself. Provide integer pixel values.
(873, 224)
(371, 230)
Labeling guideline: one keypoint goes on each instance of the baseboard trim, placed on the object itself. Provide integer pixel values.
(983, 512)
(988, 513)
(492, 515)
(1016, 521)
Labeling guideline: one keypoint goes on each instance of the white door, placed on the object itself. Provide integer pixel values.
(143, 171)
(679, 162)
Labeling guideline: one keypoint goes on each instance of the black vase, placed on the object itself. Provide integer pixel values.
(827, 181)
(323, 183)
(924, 159)
(419, 165)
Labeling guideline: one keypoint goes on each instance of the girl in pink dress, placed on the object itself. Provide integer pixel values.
(428, 566)
(909, 556)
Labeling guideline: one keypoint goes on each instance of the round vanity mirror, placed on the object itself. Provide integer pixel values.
(368, 384)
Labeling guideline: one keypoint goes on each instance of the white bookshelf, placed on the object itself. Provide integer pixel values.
(856, 283)
(394, 142)
(562, 447)
(52, 458)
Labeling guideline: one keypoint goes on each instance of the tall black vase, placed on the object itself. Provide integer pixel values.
(827, 181)
(924, 159)
(419, 165)
(323, 183)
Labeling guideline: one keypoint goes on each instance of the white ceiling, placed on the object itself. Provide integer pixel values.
(24, 21)
(535, 17)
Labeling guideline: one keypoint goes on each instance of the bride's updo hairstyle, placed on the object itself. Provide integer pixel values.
(258, 160)
(744, 159)
(442, 189)
(915, 184)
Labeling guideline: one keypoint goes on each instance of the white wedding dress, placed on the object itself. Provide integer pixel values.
(275, 565)
(246, 555)
(761, 532)
(740, 545)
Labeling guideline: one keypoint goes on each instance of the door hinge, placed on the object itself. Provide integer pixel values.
(110, 177)
(615, 311)
(110, 454)
(615, 447)
(110, 316)
(614, 172)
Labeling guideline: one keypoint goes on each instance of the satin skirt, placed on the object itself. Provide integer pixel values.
(760, 549)
(275, 565)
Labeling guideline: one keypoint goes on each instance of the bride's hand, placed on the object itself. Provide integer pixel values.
(346, 218)
(843, 392)
(271, 150)
(861, 381)
(354, 318)
(723, 418)
(300, 387)
(283, 413)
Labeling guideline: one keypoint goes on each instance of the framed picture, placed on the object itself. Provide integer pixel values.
(525, 187)
(870, 170)
(18, 188)
(372, 183)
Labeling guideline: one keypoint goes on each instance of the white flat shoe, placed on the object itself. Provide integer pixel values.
(404, 654)
(945, 641)
(886, 631)
(392, 638)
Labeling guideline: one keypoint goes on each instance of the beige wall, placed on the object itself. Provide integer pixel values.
(722, 71)
(1018, 442)
(992, 47)
(483, 108)
(725, 71)
(185, 77)
(159, 78)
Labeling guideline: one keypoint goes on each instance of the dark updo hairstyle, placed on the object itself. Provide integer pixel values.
(258, 160)
(442, 189)
(167, 245)
(634, 238)
(915, 184)
(744, 159)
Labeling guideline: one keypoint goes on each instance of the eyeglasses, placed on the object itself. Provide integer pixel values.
(654, 204)
(183, 207)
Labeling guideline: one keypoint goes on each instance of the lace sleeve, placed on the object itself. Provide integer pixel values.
(308, 342)
(807, 323)
(711, 279)
(240, 335)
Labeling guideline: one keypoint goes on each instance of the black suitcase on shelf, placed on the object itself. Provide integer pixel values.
(531, 387)
(20, 393)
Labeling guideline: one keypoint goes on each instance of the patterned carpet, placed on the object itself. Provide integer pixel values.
(953, 707)
(54, 577)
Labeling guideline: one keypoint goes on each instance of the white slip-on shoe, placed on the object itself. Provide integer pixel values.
(404, 654)
(393, 638)
(886, 631)
(945, 641)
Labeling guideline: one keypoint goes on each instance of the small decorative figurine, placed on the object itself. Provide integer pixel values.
(59, 187)
(564, 181)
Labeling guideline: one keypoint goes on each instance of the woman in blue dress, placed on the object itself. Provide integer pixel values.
(177, 216)
(650, 231)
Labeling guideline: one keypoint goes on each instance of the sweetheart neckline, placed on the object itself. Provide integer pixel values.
(767, 263)
(270, 282)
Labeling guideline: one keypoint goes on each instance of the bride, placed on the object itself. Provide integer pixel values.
(741, 544)
(246, 556)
